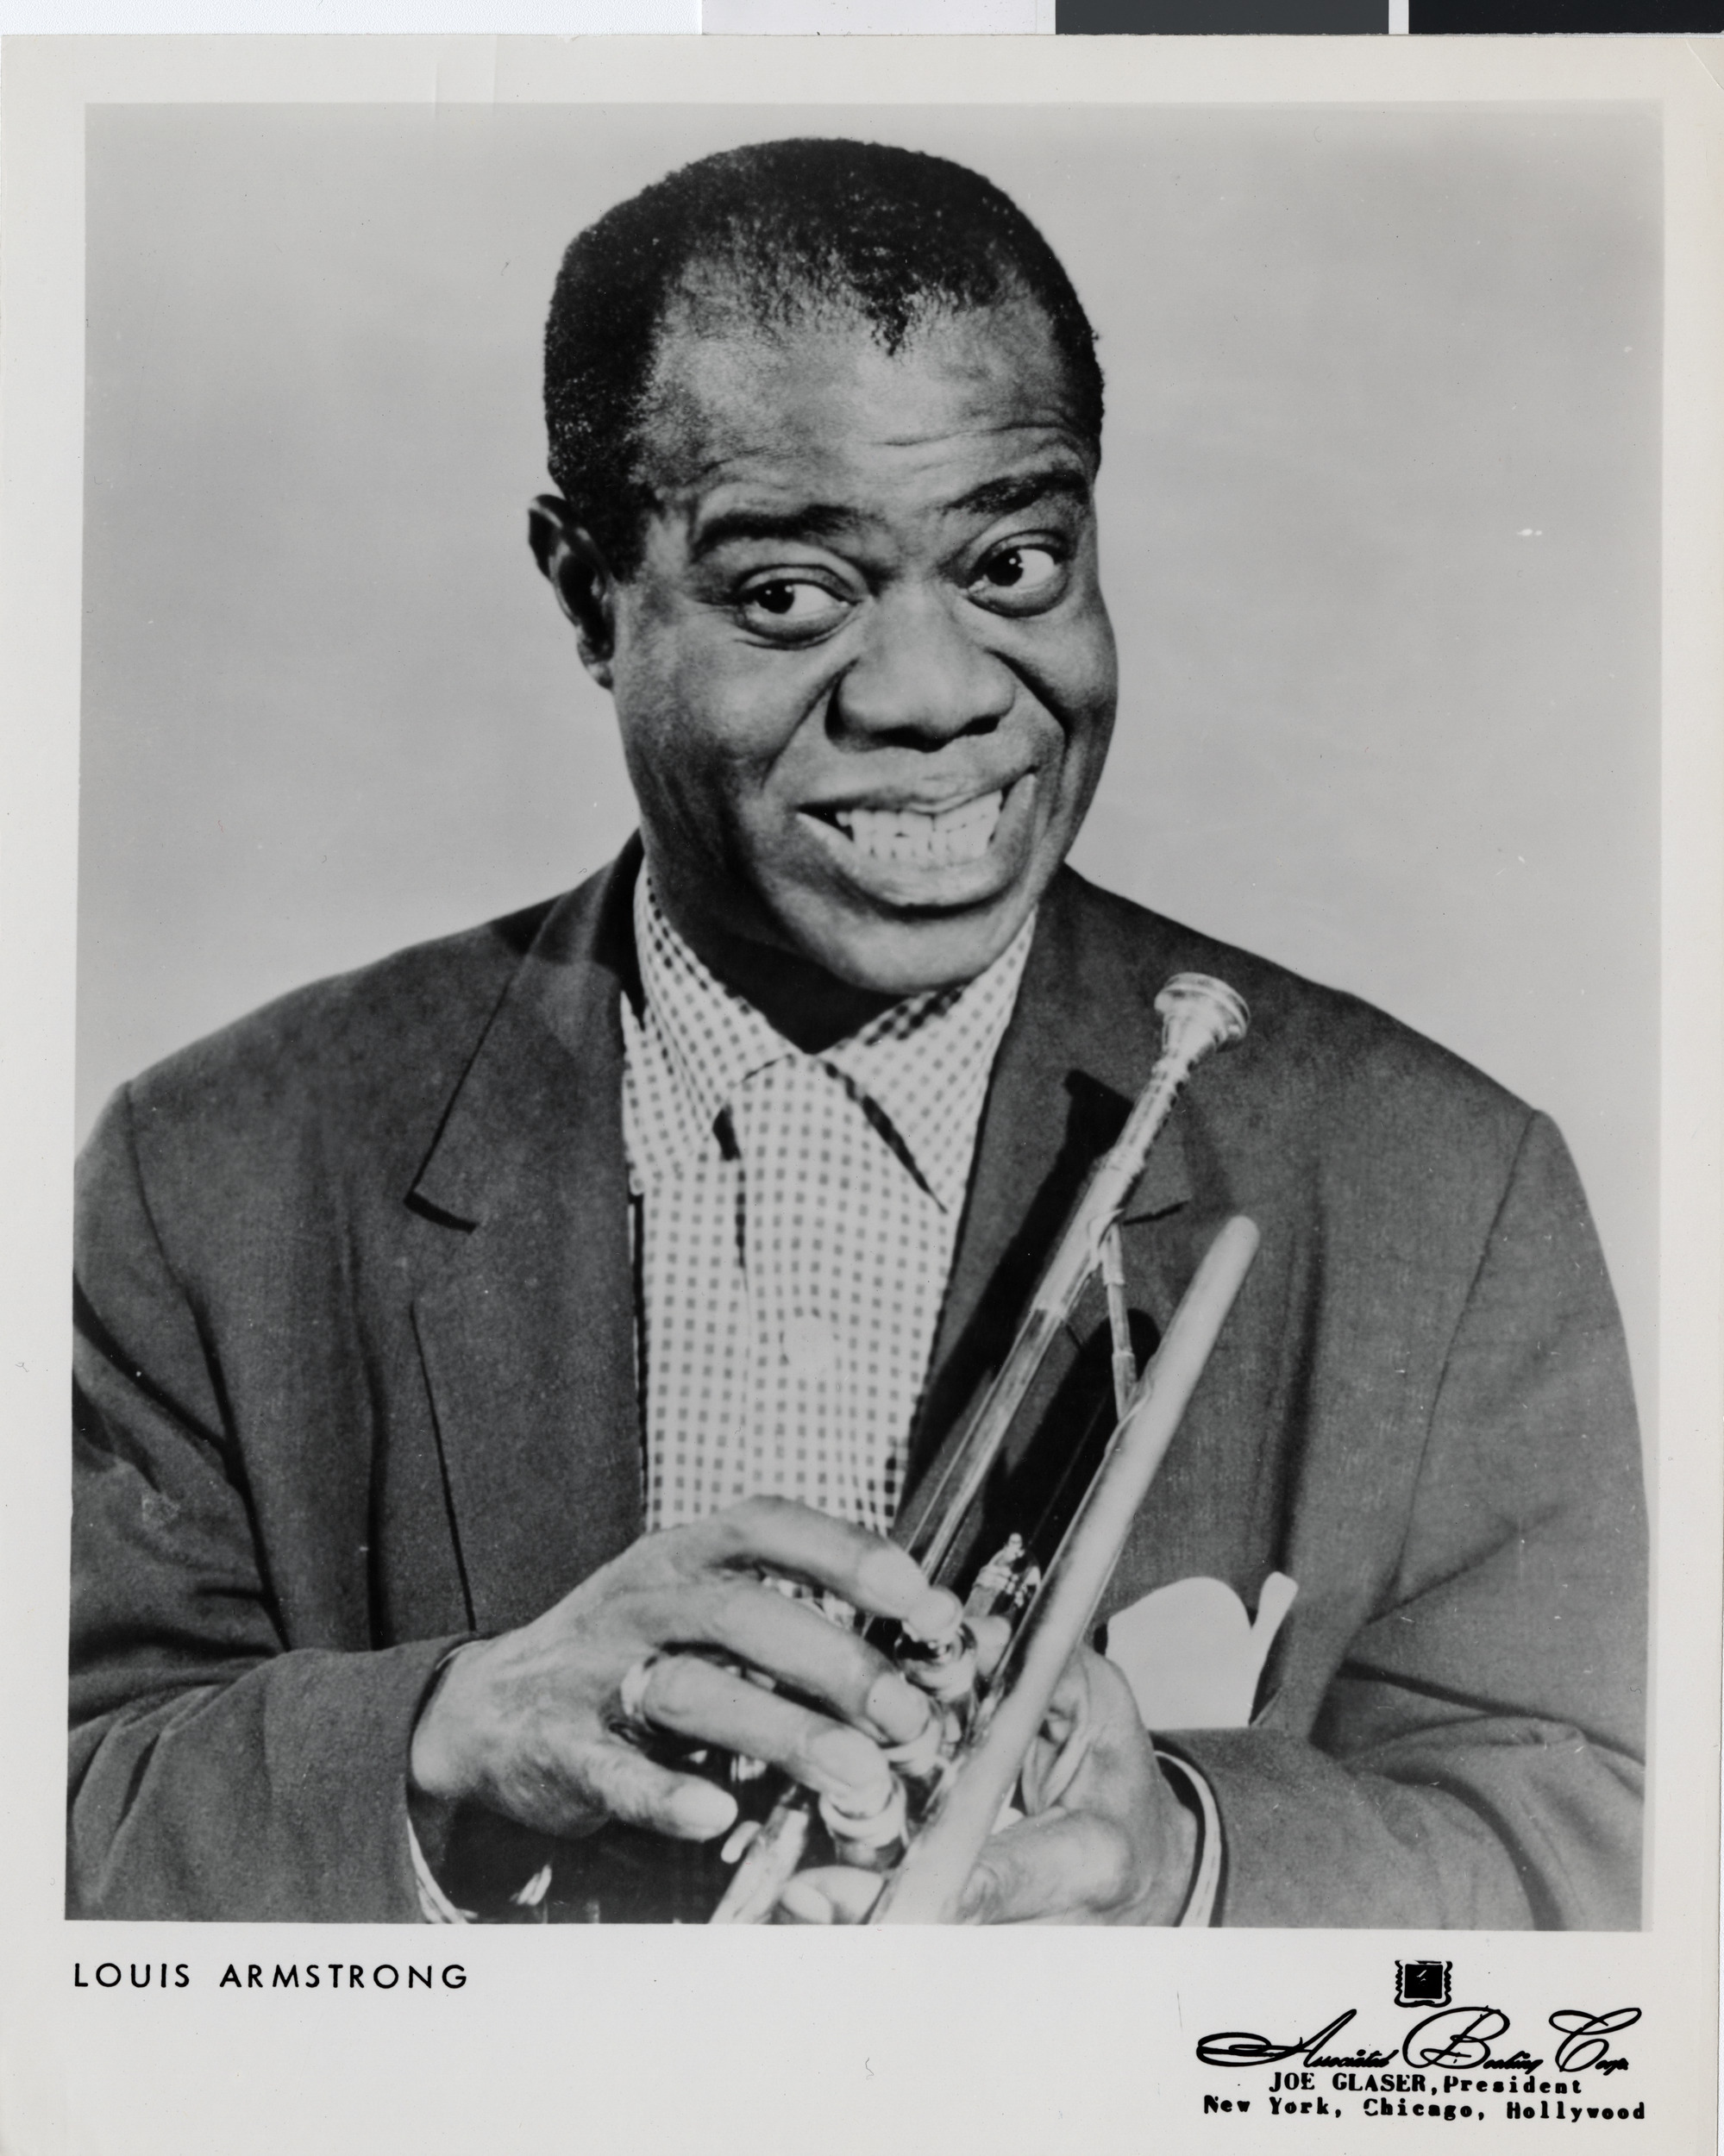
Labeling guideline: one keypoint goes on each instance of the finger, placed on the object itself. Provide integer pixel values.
(1063, 1743)
(798, 1647)
(626, 1785)
(690, 1697)
(802, 1903)
(804, 1544)
(1062, 1868)
(1109, 1697)
(1091, 1729)
(1052, 1766)
(830, 1894)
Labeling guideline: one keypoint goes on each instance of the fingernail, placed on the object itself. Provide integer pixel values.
(890, 1579)
(933, 1614)
(700, 1811)
(895, 1707)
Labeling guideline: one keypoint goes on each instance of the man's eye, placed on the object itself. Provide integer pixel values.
(791, 603)
(1022, 573)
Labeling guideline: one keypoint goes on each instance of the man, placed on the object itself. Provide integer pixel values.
(704, 1199)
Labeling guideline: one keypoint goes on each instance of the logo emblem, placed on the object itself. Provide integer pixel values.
(1422, 1983)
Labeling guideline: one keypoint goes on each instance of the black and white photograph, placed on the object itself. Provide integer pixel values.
(871, 1088)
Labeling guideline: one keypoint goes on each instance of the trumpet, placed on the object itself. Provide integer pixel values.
(948, 1784)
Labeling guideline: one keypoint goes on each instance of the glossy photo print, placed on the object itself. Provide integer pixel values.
(869, 1089)
(711, 1198)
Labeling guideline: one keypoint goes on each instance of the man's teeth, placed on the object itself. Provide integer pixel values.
(957, 834)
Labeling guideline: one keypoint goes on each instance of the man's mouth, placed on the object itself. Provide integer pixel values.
(948, 837)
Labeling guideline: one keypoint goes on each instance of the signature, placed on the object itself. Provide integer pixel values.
(1459, 2039)
(1587, 2038)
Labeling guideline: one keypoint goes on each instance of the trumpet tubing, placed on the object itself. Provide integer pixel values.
(1199, 1015)
(927, 1885)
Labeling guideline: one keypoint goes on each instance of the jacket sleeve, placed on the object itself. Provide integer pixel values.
(217, 1772)
(1476, 1760)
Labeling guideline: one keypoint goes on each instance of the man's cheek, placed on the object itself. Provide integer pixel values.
(741, 715)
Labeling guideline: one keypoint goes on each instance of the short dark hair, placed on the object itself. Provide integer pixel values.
(895, 235)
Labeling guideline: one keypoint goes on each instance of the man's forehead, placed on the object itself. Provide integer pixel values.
(737, 403)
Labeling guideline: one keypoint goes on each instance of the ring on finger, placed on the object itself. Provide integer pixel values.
(632, 1695)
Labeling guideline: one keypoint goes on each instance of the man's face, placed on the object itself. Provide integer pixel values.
(864, 674)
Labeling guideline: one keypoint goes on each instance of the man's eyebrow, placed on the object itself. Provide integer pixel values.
(815, 521)
(1023, 489)
(807, 520)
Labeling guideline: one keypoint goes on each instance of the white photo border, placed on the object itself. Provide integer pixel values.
(1064, 2040)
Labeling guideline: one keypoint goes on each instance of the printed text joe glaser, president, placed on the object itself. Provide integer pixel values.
(365, 1417)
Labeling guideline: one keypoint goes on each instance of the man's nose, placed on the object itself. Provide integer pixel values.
(922, 677)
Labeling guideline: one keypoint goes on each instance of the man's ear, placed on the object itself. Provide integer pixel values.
(574, 565)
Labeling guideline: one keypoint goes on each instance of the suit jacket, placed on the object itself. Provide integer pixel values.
(356, 1379)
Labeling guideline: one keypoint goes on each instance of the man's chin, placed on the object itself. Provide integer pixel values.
(905, 957)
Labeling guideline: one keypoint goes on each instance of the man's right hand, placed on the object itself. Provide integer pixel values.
(531, 1724)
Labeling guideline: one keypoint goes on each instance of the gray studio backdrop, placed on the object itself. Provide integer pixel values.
(1379, 531)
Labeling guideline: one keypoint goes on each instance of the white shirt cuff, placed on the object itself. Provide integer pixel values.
(434, 1906)
(1200, 1904)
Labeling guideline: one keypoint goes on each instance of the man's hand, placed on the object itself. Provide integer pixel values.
(531, 1724)
(1104, 1839)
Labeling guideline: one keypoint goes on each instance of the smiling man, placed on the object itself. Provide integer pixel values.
(471, 1349)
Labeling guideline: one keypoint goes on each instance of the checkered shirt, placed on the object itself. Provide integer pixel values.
(796, 1224)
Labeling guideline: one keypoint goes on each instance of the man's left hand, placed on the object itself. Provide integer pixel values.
(1103, 1840)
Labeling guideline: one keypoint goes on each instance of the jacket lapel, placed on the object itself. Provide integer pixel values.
(525, 1320)
(1082, 1038)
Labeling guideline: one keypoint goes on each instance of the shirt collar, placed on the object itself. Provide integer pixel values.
(715, 1038)
(923, 1065)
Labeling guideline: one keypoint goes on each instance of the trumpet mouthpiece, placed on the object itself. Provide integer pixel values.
(1198, 1013)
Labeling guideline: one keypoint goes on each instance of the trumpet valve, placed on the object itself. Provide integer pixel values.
(998, 1579)
(871, 1840)
(945, 1668)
